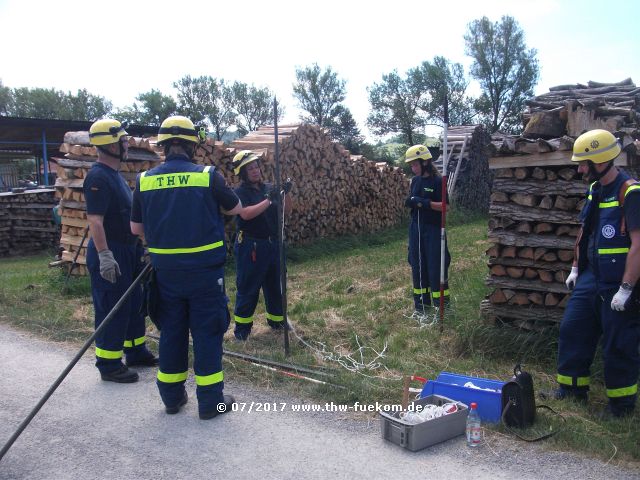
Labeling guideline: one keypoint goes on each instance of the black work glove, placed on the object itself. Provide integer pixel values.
(272, 195)
(287, 186)
(418, 202)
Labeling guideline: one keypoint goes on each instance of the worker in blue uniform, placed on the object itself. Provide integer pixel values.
(114, 257)
(605, 270)
(425, 202)
(256, 247)
(177, 206)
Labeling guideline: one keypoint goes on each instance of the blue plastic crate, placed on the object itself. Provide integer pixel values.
(451, 385)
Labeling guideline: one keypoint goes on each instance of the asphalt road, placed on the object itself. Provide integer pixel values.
(95, 429)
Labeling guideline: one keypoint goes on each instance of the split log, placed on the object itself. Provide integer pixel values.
(543, 227)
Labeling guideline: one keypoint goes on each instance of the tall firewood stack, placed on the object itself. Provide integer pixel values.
(26, 222)
(468, 170)
(537, 195)
(334, 192)
(71, 171)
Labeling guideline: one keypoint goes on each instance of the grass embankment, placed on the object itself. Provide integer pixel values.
(355, 292)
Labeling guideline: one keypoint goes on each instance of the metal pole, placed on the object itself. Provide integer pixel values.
(73, 362)
(45, 159)
(443, 222)
(280, 207)
(75, 259)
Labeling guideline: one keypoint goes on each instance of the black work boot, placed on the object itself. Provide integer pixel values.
(176, 408)
(610, 412)
(581, 396)
(122, 375)
(220, 409)
(147, 361)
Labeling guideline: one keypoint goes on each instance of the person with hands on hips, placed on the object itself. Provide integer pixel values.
(256, 249)
(425, 201)
(114, 257)
(605, 270)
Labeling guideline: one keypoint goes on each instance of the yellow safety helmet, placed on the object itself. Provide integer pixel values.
(242, 158)
(106, 132)
(417, 152)
(178, 127)
(599, 146)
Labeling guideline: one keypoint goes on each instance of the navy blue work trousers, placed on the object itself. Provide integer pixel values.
(424, 257)
(587, 318)
(257, 267)
(192, 301)
(126, 330)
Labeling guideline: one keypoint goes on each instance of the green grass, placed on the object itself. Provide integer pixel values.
(353, 292)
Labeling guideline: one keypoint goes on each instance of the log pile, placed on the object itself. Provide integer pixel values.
(537, 195)
(26, 222)
(334, 192)
(469, 182)
(71, 170)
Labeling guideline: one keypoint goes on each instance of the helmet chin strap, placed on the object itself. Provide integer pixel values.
(106, 151)
(594, 173)
(423, 166)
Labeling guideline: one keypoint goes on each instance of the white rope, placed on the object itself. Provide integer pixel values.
(347, 361)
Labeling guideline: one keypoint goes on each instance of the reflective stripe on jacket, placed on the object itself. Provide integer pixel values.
(182, 222)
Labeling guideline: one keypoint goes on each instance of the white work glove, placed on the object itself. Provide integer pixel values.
(573, 277)
(620, 299)
(109, 268)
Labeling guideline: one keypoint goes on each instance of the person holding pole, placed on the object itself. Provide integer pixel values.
(256, 249)
(114, 257)
(425, 202)
(177, 206)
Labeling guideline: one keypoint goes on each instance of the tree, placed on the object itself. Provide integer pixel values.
(442, 77)
(150, 108)
(506, 70)
(253, 106)
(396, 105)
(85, 106)
(6, 99)
(344, 129)
(318, 93)
(55, 104)
(206, 100)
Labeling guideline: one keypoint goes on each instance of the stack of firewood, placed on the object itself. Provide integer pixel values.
(26, 222)
(334, 192)
(71, 170)
(469, 182)
(537, 195)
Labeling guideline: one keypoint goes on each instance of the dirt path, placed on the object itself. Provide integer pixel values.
(95, 429)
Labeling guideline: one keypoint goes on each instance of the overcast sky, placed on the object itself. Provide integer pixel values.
(119, 49)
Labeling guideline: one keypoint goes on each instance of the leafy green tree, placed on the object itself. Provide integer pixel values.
(443, 77)
(37, 103)
(344, 129)
(6, 99)
(506, 70)
(150, 108)
(55, 104)
(206, 100)
(86, 106)
(253, 106)
(397, 104)
(319, 93)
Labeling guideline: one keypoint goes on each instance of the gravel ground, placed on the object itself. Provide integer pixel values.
(95, 429)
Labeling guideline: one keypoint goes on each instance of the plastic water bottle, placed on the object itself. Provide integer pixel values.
(474, 433)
